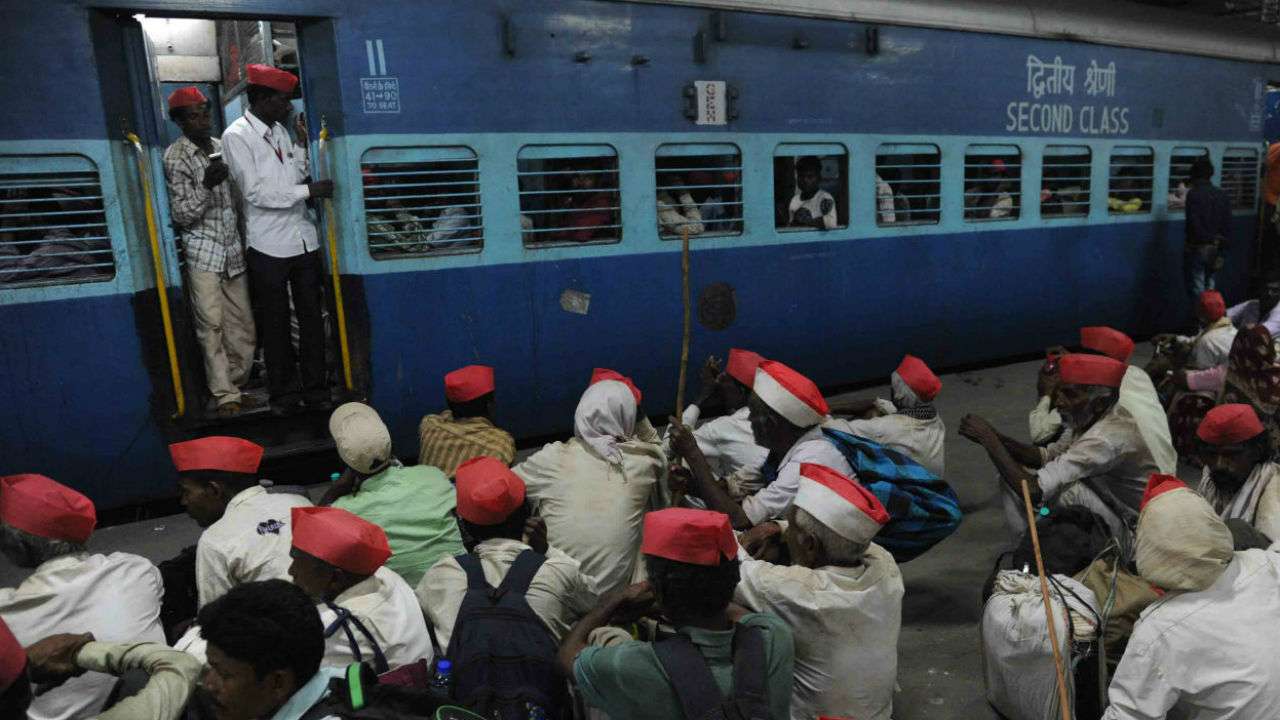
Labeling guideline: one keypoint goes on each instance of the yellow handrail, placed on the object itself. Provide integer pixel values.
(332, 231)
(157, 262)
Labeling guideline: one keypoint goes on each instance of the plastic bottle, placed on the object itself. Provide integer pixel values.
(442, 680)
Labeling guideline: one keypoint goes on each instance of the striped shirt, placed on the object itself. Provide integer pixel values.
(206, 217)
(447, 443)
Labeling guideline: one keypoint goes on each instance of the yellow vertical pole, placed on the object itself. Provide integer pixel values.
(332, 231)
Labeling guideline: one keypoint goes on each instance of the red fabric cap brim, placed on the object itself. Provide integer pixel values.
(273, 78)
(601, 374)
(1229, 425)
(487, 491)
(340, 538)
(218, 452)
(46, 508)
(919, 378)
(798, 385)
(697, 537)
(1079, 369)
(186, 97)
(848, 489)
(1211, 304)
(1158, 485)
(742, 366)
(468, 383)
(1108, 341)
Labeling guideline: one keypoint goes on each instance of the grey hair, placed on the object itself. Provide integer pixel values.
(838, 549)
(28, 551)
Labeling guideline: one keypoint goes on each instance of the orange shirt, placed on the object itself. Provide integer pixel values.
(1271, 187)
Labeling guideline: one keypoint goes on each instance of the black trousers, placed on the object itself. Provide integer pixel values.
(271, 280)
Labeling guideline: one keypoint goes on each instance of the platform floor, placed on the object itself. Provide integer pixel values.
(939, 660)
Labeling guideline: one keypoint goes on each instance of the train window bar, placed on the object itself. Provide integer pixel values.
(1180, 161)
(699, 189)
(1130, 180)
(828, 208)
(569, 195)
(422, 201)
(53, 225)
(992, 183)
(1240, 177)
(1065, 181)
(908, 184)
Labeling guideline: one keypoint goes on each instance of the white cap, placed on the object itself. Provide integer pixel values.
(363, 441)
(846, 507)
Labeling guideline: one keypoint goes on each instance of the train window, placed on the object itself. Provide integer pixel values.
(992, 182)
(810, 186)
(908, 186)
(1130, 180)
(699, 189)
(421, 201)
(1180, 174)
(569, 194)
(1064, 189)
(1240, 177)
(53, 228)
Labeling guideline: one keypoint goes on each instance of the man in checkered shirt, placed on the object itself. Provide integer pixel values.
(203, 208)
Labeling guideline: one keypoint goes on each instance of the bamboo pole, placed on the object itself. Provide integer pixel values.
(677, 498)
(1064, 699)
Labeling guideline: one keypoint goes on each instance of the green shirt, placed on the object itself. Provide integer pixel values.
(627, 682)
(415, 507)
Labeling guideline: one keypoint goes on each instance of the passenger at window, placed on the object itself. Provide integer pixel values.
(999, 198)
(1178, 196)
(811, 206)
(203, 207)
(884, 202)
(66, 252)
(587, 209)
(677, 211)
(718, 207)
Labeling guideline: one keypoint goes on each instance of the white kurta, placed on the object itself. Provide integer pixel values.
(845, 622)
(1138, 396)
(595, 509)
(559, 593)
(1263, 513)
(389, 610)
(1206, 655)
(1212, 346)
(813, 447)
(727, 443)
(920, 440)
(116, 597)
(250, 542)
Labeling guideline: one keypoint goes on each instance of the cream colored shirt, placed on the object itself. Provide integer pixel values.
(1265, 517)
(386, 606)
(775, 499)
(1110, 457)
(920, 440)
(1138, 396)
(250, 542)
(1212, 346)
(728, 445)
(559, 593)
(172, 677)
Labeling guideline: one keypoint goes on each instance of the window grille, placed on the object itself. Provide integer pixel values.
(908, 185)
(698, 187)
(1065, 180)
(1180, 174)
(422, 201)
(1240, 177)
(1129, 182)
(53, 229)
(569, 194)
(992, 183)
(828, 208)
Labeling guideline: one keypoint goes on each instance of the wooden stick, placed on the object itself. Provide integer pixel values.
(1064, 700)
(677, 498)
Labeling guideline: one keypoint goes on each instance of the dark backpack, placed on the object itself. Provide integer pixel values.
(700, 697)
(344, 622)
(503, 656)
(359, 695)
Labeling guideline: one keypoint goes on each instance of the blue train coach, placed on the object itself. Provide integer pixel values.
(513, 178)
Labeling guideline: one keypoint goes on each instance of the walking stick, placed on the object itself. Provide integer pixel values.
(1064, 700)
(677, 497)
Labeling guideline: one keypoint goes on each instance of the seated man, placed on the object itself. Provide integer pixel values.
(594, 489)
(691, 556)
(913, 426)
(1044, 422)
(493, 516)
(1265, 310)
(1137, 394)
(1101, 464)
(1240, 469)
(369, 613)
(811, 207)
(44, 526)
(841, 595)
(413, 505)
(466, 429)
(1210, 347)
(1206, 649)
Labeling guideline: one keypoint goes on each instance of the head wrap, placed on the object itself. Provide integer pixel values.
(917, 376)
(1182, 544)
(606, 416)
(1108, 341)
(845, 507)
(341, 538)
(46, 508)
(602, 374)
(362, 439)
(468, 383)
(488, 491)
(697, 537)
(216, 452)
(790, 394)
(1079, 369)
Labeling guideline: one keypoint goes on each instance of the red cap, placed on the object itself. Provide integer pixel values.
(790, 394)
(341, 538)
(186, 97)
(839, 502)
(216, 452)
(601, 374)
(488, 492)
(468, 383)
(46, 508)
(1079, 369)
(13, 658)
(919, 378)
(273, 78)
(1108, 341)
(1229, 424)
(1212, 306)
(998, 165)
(742, 366)
(698, 537)
(1158, 485)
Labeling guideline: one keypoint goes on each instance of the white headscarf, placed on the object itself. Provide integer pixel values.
(606, 415)
(903, 395)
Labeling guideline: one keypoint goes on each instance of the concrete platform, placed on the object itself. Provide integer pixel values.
(939, 660)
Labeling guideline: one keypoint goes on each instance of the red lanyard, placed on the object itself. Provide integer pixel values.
(267, 139)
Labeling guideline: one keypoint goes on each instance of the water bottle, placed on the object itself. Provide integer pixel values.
(440, 683)
(535, 712)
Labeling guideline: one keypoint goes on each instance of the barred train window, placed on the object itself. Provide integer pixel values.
(908, 187)
(1064, 190)
(52, 226)
(421, 201)
(699, 188)
(1180, 174)
(810, 186)
(992, 182)
(1130, 179)
(1240, 177)
(569, 194)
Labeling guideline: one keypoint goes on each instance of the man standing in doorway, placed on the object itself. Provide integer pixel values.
(284, 253)
(203, 208)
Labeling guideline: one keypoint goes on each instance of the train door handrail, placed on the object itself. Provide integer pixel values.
(331, 231)
(157, 263)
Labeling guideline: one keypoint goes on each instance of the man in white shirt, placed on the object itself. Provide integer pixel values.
(1206, 648)
(912, 425)
(811, 207)
(1240, 474)
(284, 257)
(1265, 310)
(1137, 394)
(369, 613)
(841, 595)
(1212, 345)
(44, 525)
(492, 515)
